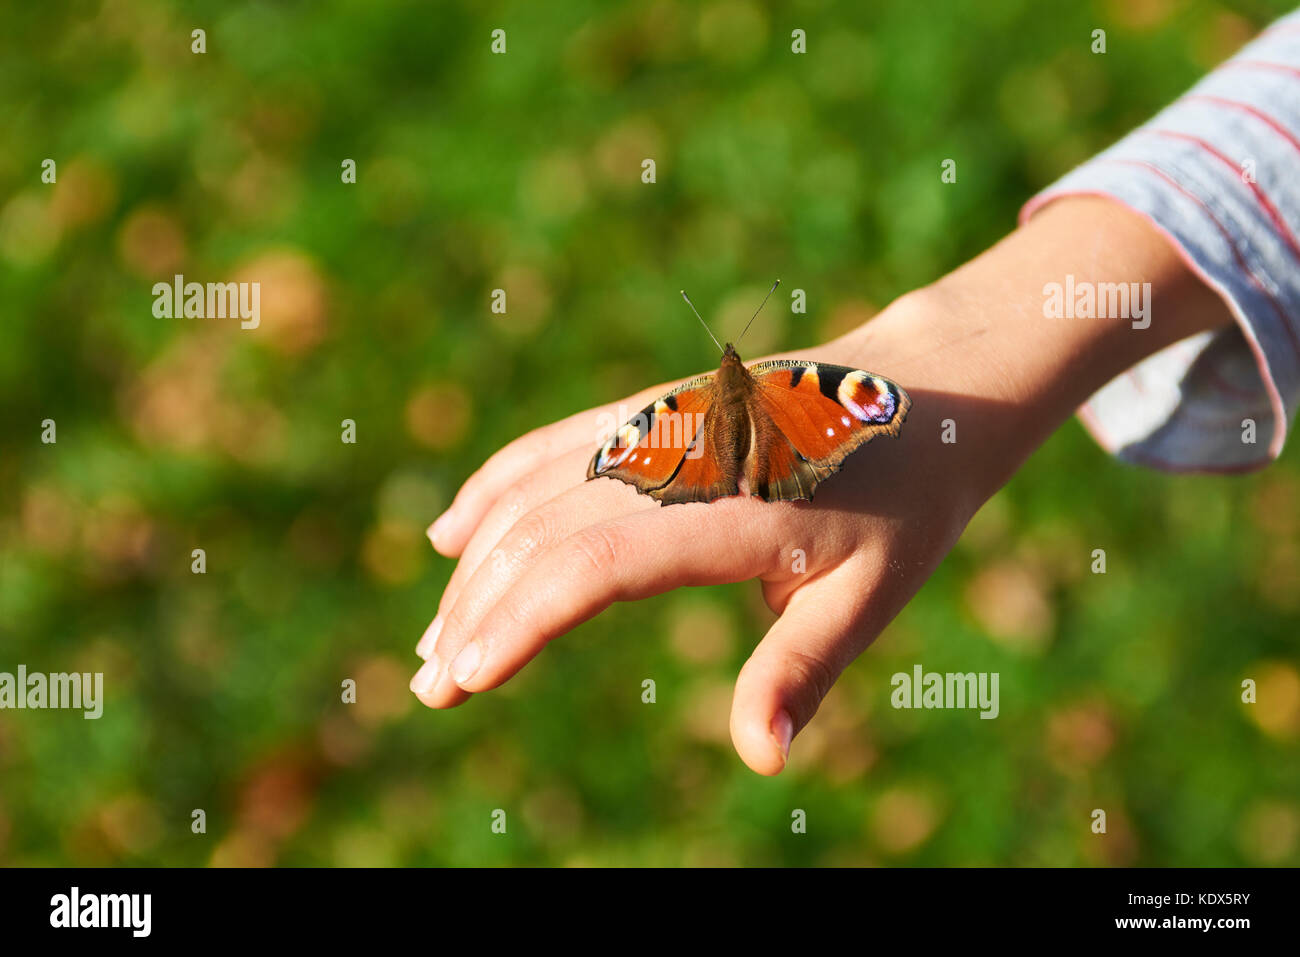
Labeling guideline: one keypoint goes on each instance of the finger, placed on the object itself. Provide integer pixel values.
(513, 505)
(623, 559)
(429, 640)
(824, 626)
(434, 687)
(523, 456)
(429, 682)
(544, 528)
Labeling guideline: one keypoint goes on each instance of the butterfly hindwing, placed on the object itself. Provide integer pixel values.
(706, 472)
(823, 412)
(777, 473)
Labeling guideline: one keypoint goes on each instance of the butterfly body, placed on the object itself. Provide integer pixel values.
(779, 427)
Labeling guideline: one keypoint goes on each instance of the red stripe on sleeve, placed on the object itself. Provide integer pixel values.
(1269, 209)
(1241, 262)
(1259, 114)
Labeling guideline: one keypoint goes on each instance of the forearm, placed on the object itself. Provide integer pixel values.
(980, 337)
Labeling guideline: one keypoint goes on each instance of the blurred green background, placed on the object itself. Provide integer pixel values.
(522, 171)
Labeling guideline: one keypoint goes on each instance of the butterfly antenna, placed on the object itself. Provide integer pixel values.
(702, 322)
(758, 310)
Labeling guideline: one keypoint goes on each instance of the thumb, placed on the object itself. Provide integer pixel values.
(822, 629)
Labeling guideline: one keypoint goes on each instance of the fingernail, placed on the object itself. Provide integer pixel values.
(439, 527)
(466, 663)
(783, 731)
(429, 640)
(424, 679)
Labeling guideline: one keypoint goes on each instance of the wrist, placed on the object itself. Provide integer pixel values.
(1085, 290)
(997, 341)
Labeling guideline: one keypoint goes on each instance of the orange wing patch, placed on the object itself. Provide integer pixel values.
(649, 449)
(704, 475)
(824, 412)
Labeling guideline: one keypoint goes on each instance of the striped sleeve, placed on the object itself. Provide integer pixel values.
(1218, 172)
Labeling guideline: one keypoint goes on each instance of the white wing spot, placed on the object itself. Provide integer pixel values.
(845, 420)
(830, 432)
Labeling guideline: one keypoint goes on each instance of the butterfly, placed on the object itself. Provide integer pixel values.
(783, 426)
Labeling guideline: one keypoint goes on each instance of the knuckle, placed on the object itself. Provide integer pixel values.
(814, 673)
(598, 547)
(515, 502)
(531, 533)
(512, 616)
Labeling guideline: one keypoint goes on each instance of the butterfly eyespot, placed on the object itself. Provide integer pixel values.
(878, 407)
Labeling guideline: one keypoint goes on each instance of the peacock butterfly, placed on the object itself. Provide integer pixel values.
(783, 426)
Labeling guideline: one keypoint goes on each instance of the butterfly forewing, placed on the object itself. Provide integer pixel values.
(648, 450)
(824, 412)
(706, 472)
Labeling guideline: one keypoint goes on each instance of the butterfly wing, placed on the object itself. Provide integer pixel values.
(665, 450)
(821, 414)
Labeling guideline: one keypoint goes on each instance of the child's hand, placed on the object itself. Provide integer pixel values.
(541, 549)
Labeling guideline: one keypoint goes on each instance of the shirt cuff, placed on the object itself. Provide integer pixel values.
(1218, 173)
